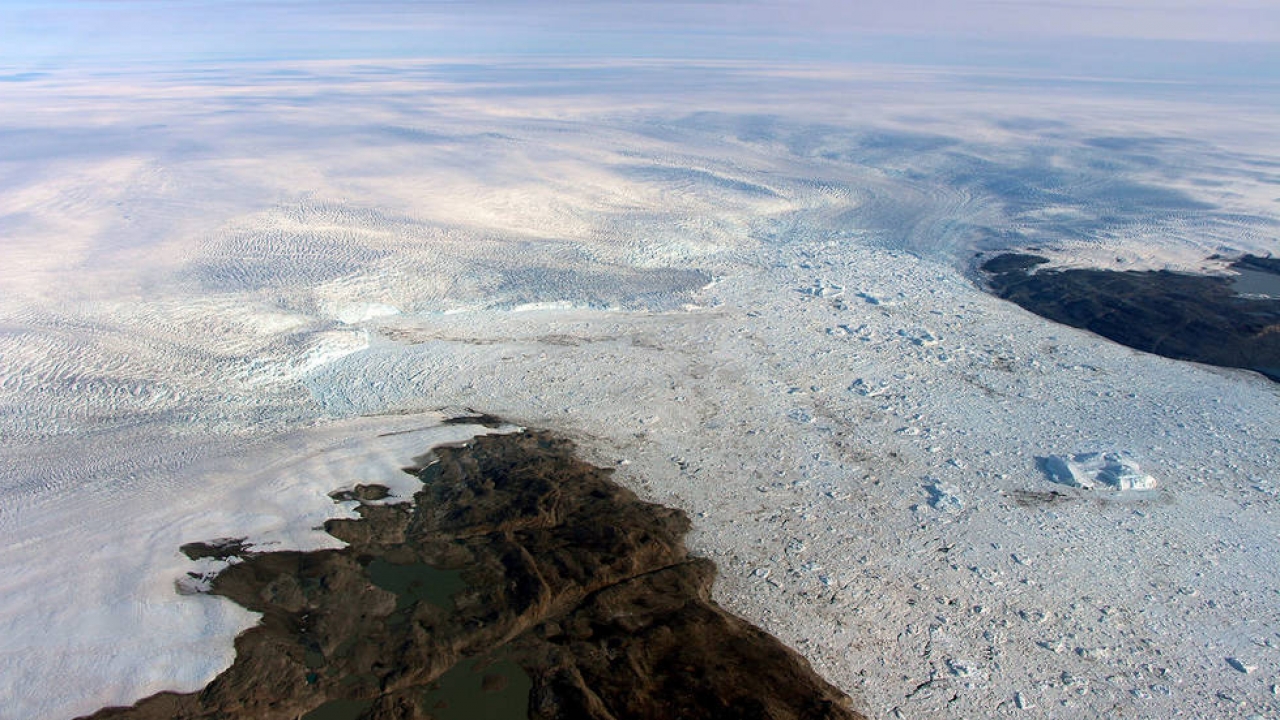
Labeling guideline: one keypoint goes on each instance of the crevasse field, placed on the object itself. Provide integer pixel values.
(228, 291)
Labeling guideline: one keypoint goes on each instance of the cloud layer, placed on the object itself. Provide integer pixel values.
(925, 31)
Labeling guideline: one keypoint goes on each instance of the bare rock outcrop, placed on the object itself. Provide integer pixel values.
(521, 582)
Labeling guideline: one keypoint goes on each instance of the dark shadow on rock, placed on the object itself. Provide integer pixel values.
(1037, 498)
(518, 569)
(219, 549)
(1201, 318)
(477, 418)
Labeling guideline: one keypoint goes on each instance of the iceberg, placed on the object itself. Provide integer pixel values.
(1117, 470)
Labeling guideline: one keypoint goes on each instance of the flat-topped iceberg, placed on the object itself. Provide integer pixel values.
(1117, 470)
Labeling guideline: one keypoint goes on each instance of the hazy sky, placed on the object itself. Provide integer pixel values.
(1088, 35)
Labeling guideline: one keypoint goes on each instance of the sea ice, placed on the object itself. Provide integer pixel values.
(823, 289)
(944, 497)
(1117, 470)
(920, 336)
(1241, 666)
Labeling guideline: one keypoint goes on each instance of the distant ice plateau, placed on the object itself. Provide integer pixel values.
(750, 292)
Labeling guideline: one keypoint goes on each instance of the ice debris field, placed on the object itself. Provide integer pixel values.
(228, 295)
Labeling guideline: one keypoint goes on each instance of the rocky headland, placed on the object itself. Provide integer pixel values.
(520, 582)
(1229, 321)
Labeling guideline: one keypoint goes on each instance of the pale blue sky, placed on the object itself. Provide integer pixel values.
(1150, 37)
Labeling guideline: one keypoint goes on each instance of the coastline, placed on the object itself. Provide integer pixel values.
(1223, 320)
(516, 568)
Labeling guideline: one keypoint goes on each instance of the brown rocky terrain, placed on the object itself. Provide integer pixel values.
(521, 582)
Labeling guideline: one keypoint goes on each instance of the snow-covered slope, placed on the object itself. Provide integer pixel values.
(222, 301)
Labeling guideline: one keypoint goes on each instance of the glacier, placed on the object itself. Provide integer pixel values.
(758, 307)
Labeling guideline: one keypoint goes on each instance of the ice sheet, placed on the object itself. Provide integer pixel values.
(111, 625)
(754, 304)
